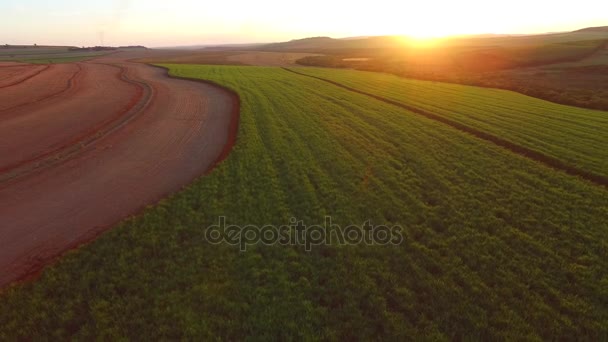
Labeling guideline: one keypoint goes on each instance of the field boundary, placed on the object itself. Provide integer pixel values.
(37, 266)
(513, 147)
(235, 116)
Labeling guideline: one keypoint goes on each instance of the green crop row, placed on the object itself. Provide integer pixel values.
(577, 136)
(496, 246)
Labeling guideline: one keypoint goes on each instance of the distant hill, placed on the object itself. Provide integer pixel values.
(326, 43)
(213, 47)
(306, 43)
(330, 45)
(594, 29)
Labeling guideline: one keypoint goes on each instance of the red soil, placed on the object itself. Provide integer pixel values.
(45, 129)
(55, 81)
(12, 75)
(123, 138)
(10, 64)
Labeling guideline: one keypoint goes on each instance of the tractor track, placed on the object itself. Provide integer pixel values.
(71, 82)
(47, 67)
(77, 143)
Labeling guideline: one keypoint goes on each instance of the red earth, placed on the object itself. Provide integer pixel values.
(85, 145)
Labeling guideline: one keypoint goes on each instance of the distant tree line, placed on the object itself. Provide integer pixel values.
(94, 48)
(106, 48)
(8, 46)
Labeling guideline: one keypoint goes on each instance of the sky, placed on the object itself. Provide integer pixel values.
(156, 23)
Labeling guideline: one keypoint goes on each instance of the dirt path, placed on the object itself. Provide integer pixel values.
(177, 134)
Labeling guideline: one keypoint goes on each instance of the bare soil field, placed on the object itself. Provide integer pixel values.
(37, 130)
(56, 80)
(9, 64)
(124, 137)
(13, 75)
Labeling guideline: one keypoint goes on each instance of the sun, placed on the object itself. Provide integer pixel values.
(426, 33)
(421, 41)
(420, 29)
(424, 30)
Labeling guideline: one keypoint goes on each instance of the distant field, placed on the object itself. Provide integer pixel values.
(577, 136)
(557, 67)
(44, 55)
(531, 40)
(190, 57)
(268, 58)
(15, 51)
(496, 246)
(258, 58)
(41, 59)
(600, 58)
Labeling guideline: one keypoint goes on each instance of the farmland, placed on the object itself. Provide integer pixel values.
(496, 246)
(46, 54)
(229, 57)
(82, 146)
(574, 135)
(567, 68)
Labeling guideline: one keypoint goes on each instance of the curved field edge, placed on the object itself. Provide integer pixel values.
(233, 128)
(569, 138)
(496, 245)
(134, 109)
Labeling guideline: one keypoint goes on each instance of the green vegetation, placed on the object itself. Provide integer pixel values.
(496, 246)
(545, 66)
(55, 60)
(193, 57)
(552, 53)
(583, 83)
(454, 55)
(26, 50)
(45, 54)
(577, 136)
(599, 58)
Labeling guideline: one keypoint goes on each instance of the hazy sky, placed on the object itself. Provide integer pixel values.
(185, 22)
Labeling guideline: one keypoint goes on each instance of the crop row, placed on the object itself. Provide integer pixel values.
(496, 246)
(578, 137)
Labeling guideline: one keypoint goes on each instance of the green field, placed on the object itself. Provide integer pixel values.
(496, 246)
(45, 54)
(599, 58)
(55, 60)
(568, 68)
(576, 136)
(547, 54)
